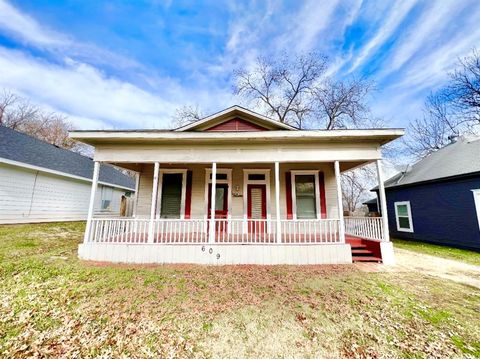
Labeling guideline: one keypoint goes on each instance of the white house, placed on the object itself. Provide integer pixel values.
(236, 188)
(40, 182)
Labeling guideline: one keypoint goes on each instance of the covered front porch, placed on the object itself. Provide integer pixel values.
(237, 213)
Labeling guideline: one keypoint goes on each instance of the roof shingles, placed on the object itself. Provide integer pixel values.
(17, 146)
(458, 158)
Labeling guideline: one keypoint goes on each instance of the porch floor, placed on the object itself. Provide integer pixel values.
(202, 238)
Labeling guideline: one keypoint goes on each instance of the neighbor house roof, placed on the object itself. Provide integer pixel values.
(458, 158)
(371, 201)
(20, 149)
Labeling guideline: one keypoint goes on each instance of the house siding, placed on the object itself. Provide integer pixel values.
(198, 204)
(35, 196)
(442, 212)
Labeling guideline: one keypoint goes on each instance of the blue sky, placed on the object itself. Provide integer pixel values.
(130, 64)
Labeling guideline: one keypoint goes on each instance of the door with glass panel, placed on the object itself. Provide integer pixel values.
(221, 205)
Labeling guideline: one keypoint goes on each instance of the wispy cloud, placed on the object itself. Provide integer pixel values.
(313, 18)
(395, 17)
(424, 35)
(28, 31)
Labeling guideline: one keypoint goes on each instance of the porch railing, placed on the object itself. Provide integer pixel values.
(227, 231)
(364, 227)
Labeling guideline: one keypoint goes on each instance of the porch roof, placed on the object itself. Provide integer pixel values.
(94, 137)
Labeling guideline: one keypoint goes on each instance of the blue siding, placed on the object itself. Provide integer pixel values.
(443, 212)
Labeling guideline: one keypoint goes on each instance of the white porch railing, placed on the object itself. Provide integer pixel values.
(364, 227)
(227, 231)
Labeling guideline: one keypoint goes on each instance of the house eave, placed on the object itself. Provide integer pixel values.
(380, 136)
(426, 182)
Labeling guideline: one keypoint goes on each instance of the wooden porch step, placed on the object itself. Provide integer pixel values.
(357, 252)
(358, 246)
(366, 259)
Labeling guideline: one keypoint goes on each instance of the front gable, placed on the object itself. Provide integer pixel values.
(236, 119)
(237, 125)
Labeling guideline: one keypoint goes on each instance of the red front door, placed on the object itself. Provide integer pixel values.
(256, 207)
(221, 205)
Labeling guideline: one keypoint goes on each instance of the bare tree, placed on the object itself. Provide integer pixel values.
(20, 115)
(283, 88)
(450, 112)
(341, 104)
(186, 114)
(298, 92)
(356, 185)
(432, 131)
(464, 88)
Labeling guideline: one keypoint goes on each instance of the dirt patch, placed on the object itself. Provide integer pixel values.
(409, 261)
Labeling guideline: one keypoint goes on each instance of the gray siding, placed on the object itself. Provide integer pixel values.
(35, 196)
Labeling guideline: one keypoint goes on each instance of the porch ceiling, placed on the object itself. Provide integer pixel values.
(138, 167)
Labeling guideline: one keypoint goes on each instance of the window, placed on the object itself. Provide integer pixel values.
(107, 197)
(305, 196)
(220, 176)
(256, 177)
(476, 200)
(171, 201)
(403, 216)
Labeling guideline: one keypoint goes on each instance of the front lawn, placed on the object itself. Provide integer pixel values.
(54, 305)
(439, 251)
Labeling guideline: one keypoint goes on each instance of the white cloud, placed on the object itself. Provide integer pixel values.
(81, 90)
(72, 85)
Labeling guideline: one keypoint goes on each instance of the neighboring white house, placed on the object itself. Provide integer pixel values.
(238, 188)
(40, 182)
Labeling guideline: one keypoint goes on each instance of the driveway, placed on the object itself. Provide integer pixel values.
(431, 265)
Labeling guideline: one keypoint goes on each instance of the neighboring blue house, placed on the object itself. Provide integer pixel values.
(372, 205)
(437, 199)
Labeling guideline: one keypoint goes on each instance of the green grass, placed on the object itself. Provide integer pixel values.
(439, 251)
(53, 305)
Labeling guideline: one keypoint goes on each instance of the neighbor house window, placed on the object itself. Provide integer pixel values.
(107, 197)
(305, 194)
(476, 199)
(403, 216)
(172, 193)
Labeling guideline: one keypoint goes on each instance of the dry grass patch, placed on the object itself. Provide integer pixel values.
(52, 304)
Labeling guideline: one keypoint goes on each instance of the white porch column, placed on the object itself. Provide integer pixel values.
(211, 229)
(156, 169)
(341, 228)
(383, 202)
(277, 202)
(91, 205)
(137, 185)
